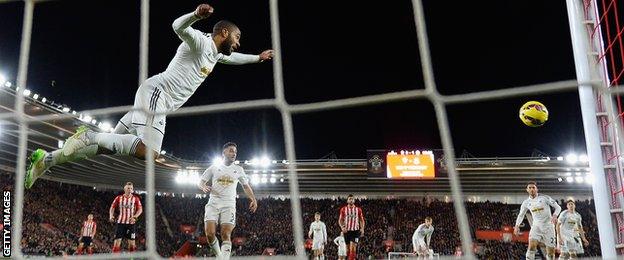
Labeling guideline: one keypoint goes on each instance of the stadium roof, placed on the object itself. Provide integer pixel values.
(478, 175)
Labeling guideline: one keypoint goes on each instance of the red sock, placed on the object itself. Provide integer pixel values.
(90, 250)
(79, 251)
(116, 249)
(132, 248)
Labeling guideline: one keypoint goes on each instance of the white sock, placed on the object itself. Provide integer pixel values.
(215, 247)
(530, 254)
(226, 250)
(57, 157)
(120, 144)
(322, 257)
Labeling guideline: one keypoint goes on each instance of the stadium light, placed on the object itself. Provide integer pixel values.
(7, 84)
(272, 180)
(281, 179)
(254, 161)
(569, 179)
(583, 158)
(560, 179)
(60, 144)
(2, 78)
(66, 109)
(265, 162)
(255, 179)
(264, 180)
(217, 160)
(86, 118)
(193, 177)
(94, 121)
(284, 161)
(571, 158)
(35, 96)
(559, 158)
(104, 126)
(163, 152)
(579, 179)
(179, 178)
(74, 112)
(44, 100)
(26, 92)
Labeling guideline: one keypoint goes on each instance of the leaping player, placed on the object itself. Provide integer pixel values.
(221, 206)
(421, 240)
(543, 227)
(195, 58)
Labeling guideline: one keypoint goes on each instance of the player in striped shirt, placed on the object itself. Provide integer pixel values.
(318, 231)
(194, 60)
(130, 208)
(351, 223)
(87, 233)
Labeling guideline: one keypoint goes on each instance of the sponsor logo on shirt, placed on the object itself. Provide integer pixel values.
(225, 180)
(537, 209)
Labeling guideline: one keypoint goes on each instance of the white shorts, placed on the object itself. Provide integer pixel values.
(572, 244)
(148, 97)
(420, 245)
(220, 214)
(317, 245)
(342, 251)
(544, 234)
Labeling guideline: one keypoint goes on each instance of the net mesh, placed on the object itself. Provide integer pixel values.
(605, 32)
(611, 51)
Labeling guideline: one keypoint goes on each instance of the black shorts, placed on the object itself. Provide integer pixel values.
(352, 236)
(86, 241)
(127, 231)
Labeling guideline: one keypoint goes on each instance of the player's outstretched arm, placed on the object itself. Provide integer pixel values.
(182, 26)
(253, 205)
(240, 59)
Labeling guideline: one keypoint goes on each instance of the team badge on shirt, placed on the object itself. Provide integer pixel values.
(204, 71)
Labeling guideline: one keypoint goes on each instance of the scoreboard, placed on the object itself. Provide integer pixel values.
(403, 164)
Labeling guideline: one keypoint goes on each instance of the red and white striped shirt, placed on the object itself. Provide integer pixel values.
(351, 217)
(88, 228)
(128, 206)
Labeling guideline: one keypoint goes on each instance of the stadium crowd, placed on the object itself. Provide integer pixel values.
(54, 212)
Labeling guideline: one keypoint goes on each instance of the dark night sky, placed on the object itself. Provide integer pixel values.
(331, 49)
